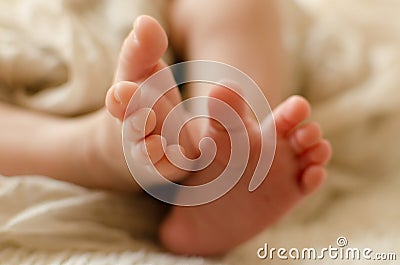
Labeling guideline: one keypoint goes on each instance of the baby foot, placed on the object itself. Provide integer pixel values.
(297, 170)
(139, 59)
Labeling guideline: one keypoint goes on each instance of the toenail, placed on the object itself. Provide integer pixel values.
(134, 37)
(117, 96)
(295, 143)
(135, 27)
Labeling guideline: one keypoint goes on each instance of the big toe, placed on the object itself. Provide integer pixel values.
(229, 121)
(142, 50)
(291, 113)
(227, 107)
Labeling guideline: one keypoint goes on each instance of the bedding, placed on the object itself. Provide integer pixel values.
(345, 59)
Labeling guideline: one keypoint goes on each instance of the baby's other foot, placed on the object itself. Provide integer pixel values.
(140, 57)
(297, 170)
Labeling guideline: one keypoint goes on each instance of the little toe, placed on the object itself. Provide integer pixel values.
(290, 113)
(312, 178)
(118, 98)
(318, 154)
(305, 137)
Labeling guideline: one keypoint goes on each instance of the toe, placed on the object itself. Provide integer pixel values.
(140, 57)
(118, 98)
(290, 113)
(318, 154)
(154, 147)
(305, 137)
(139, 125)
(153, 151)
(312, 178)
(149, 150)
(174, 169)
(141, 50)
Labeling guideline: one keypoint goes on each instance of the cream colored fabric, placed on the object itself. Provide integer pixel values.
(43, 221)
(346, 60)
(60, 56)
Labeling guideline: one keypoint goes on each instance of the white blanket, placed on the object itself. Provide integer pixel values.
(346, 60)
